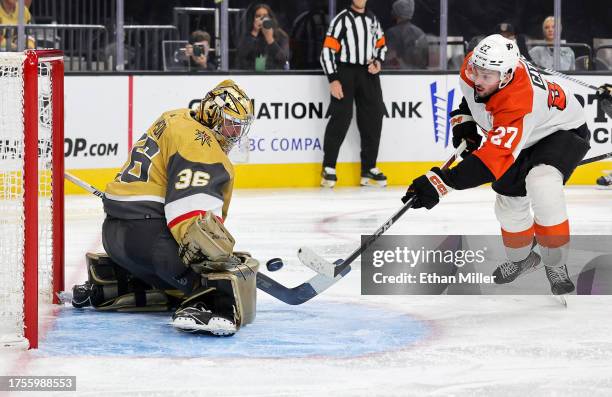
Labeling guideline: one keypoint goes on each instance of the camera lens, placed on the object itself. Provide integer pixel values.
(197, 50)
(267, 23)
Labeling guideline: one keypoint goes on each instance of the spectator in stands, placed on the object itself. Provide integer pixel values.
(507, 30)
(266, 45)
(9, 15)
(543, 55)
(307, 35)
(406, 43)
(198, 52)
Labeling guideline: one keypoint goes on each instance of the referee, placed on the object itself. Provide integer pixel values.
(353, 52)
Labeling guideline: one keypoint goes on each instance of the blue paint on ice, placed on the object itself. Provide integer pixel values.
(322, 329)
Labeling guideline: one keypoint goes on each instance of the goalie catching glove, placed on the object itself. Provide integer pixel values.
(427, 189)
(206, 239)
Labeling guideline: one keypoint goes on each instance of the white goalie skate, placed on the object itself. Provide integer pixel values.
(197, 318)
(510, 271)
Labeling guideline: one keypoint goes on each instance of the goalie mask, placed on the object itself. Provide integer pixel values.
(495, 53)
(228, 112)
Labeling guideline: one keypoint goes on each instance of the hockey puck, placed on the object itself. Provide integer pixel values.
(274, 264)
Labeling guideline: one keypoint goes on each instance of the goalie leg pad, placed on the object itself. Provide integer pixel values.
(112, 288)
(235, 290)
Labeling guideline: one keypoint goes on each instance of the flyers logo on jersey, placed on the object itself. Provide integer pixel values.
(556, 96)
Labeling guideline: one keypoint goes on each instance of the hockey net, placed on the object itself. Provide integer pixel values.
(31, 190)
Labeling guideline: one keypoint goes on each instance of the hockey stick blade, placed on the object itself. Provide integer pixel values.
(310, 259)
(301, 293)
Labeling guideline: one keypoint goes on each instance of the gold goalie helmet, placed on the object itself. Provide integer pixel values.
(228, 112)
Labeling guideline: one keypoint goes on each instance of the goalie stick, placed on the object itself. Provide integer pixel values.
(292, 296)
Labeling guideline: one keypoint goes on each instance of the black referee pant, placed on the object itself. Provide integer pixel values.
(364, 87)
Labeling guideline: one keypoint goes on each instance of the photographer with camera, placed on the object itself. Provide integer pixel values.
(266, 45)
(197, 52)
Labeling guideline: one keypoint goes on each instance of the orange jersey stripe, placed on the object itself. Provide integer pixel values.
(518, 239)
(333, 43)
(553, 236)
(380, 42)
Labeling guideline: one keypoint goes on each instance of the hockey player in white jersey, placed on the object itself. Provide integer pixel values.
(535, 136)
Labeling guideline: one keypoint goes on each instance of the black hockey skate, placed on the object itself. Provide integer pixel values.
(604, 182)
(509, 271)
(86, 294)
(328, 177)
(560, 282)
(196, 318)
(373, 177)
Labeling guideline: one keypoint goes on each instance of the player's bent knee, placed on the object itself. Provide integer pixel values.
(544, 184)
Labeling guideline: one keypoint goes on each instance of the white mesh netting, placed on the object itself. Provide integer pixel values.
(11, 193)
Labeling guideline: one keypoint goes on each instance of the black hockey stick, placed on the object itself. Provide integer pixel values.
(595, 158)
(292, 296)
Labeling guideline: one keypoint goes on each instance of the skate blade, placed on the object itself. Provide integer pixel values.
(326, 183)
(372, 183)
(217, 326)
(561, 299)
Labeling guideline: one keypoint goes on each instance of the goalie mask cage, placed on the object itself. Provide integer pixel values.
(31, 190)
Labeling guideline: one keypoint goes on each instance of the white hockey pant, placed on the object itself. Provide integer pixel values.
(541, 213)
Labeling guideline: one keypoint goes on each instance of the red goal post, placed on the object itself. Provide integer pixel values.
(31, 190)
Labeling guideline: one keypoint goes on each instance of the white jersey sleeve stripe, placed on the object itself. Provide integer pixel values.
(196, 202)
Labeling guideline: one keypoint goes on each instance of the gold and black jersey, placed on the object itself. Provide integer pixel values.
(175, 171)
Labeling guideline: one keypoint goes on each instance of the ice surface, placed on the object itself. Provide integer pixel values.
(340, 343)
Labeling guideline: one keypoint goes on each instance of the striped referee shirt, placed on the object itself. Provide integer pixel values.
(352, 38)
